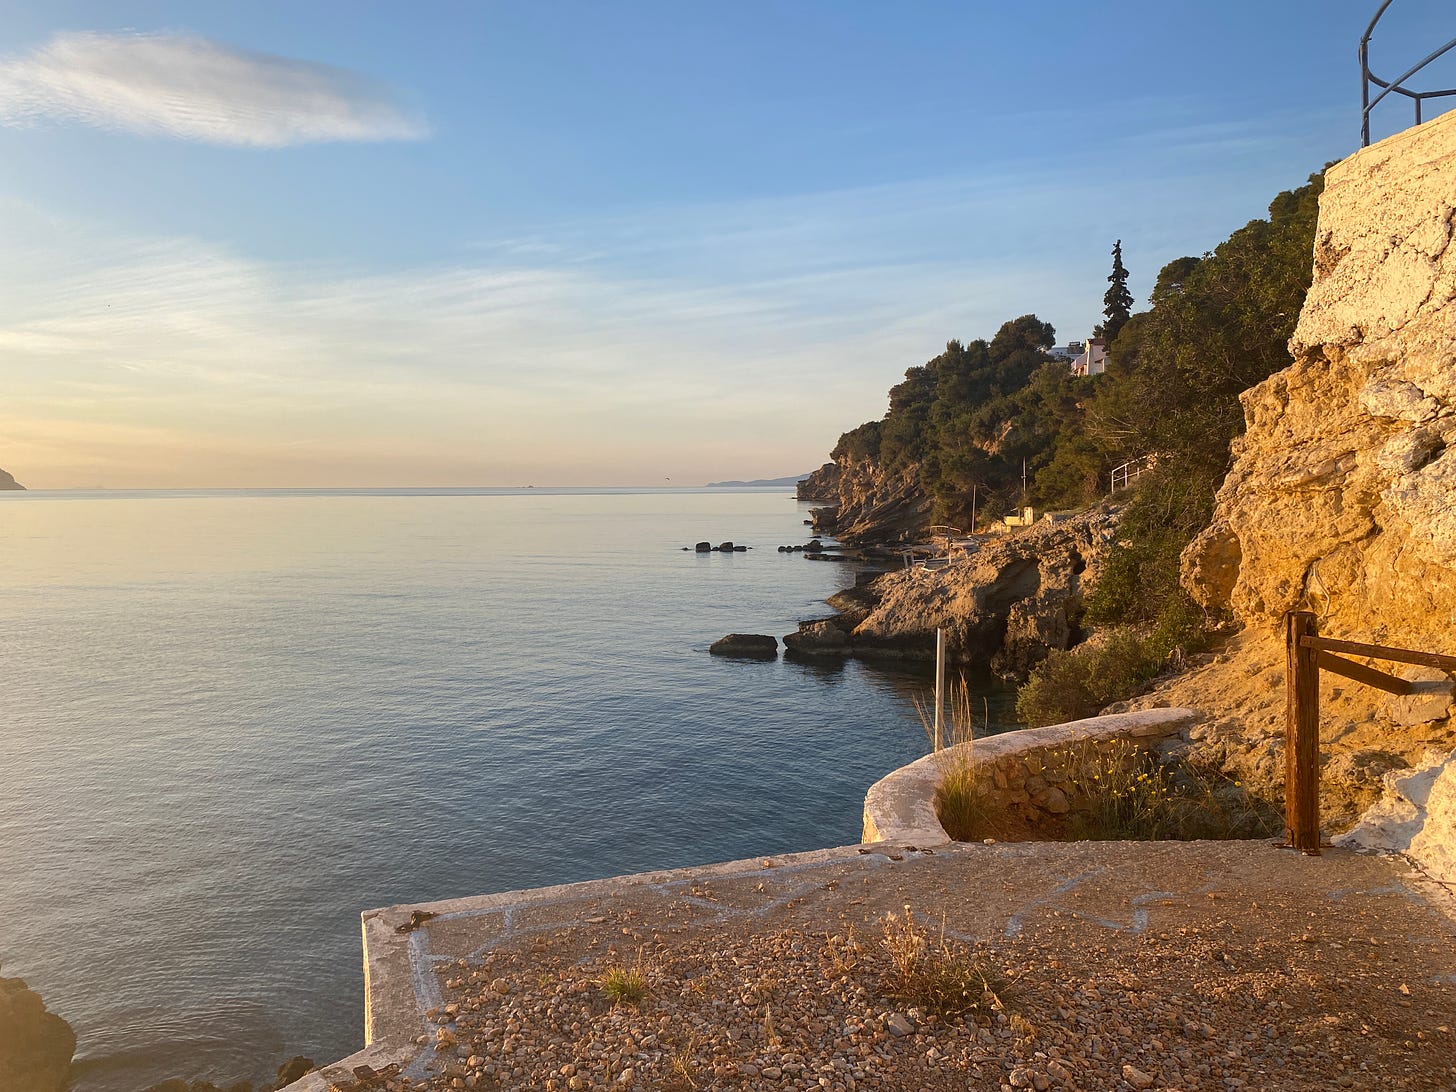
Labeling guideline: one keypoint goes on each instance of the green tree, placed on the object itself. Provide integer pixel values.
(1117, 303)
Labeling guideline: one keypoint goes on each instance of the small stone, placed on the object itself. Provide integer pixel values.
(1136, 1077)
(898, 1024)
(501, 986)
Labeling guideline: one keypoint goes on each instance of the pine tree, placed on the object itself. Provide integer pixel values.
(1117, 304)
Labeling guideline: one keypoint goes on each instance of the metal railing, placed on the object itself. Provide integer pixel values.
(1367, 78)
(1129, 472)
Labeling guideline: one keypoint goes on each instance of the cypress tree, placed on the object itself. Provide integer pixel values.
(1117, 304)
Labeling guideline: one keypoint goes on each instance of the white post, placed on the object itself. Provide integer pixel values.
(939, 683)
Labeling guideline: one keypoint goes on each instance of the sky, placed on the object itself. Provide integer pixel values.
(513, 242)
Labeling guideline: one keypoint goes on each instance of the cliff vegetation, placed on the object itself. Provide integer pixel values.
(989, 425)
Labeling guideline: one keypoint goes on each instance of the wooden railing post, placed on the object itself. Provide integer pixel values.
(1301, 735)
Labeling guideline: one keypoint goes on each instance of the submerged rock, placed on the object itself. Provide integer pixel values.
(757, 646)
(36, 1046)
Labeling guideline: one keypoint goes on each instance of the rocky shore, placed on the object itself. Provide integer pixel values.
(1004, 600)
(36, 1046)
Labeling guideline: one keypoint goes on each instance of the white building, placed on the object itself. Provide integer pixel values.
(1092, 360)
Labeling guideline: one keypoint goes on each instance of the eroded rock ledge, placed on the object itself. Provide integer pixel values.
(1005, 601)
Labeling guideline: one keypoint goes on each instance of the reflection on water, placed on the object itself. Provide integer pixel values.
(232, 722)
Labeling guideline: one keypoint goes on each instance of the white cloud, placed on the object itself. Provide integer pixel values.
(194, 89)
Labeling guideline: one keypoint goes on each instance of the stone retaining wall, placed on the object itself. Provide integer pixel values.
(1022, 774)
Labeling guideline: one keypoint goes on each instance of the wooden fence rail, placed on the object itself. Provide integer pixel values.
(1306, 654)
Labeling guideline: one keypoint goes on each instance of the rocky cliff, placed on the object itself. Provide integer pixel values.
(1005, 600)
(8, 482)
(865, 504)
(1342, 495)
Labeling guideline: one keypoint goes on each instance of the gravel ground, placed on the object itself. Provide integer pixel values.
(1229, 985)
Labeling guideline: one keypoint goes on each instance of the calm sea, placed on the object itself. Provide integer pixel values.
(232, 721)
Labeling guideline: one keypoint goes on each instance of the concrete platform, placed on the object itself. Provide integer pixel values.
(1074, 897)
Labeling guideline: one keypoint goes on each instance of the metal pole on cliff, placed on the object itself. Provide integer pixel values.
(939, 683)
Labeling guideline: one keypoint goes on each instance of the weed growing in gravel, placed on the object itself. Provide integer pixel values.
(682, 1075)
(624, 985)
(961, 804)
(941, 976)
(842, 955)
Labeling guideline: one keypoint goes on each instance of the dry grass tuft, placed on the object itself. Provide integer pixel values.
(941, 976)
(961, 804)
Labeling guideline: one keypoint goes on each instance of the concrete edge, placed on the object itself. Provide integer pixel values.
(900, 807)
(399, 976)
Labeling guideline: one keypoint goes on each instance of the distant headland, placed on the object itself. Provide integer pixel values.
(8, 482)
(792, 479)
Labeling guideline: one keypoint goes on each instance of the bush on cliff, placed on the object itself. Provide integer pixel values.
(1082, 681)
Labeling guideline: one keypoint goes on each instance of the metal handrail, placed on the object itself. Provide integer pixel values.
(1367, 78)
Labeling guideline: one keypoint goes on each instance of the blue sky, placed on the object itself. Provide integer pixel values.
(599, 243)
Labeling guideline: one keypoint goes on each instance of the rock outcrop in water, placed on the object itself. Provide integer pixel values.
(36, 1046)
(8, 482)
(1008, 601)
(864, 503)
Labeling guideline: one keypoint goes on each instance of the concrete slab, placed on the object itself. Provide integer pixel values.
(1073, 898)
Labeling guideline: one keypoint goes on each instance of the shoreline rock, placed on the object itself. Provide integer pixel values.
(749, 646)
(36, 1046)
(1006, 603)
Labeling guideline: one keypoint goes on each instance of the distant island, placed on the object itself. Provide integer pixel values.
(8, 482)
(792, 479)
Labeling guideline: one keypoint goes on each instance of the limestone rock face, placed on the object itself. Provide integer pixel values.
(1009, 601)
(36, 1046)
(867, 504)
(1417, 816)
(1342, 497)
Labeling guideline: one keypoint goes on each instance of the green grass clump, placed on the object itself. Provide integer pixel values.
(623, 985)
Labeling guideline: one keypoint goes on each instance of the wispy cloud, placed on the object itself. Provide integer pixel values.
(195, 89)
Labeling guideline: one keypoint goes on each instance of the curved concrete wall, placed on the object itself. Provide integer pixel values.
(900, 807)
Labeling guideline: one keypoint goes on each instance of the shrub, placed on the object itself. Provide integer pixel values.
(1129, 793)
(1078, 683)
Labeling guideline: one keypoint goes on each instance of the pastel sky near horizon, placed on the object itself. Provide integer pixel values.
(586, 243)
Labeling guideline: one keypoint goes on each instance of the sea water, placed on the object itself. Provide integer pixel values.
(231, 721)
